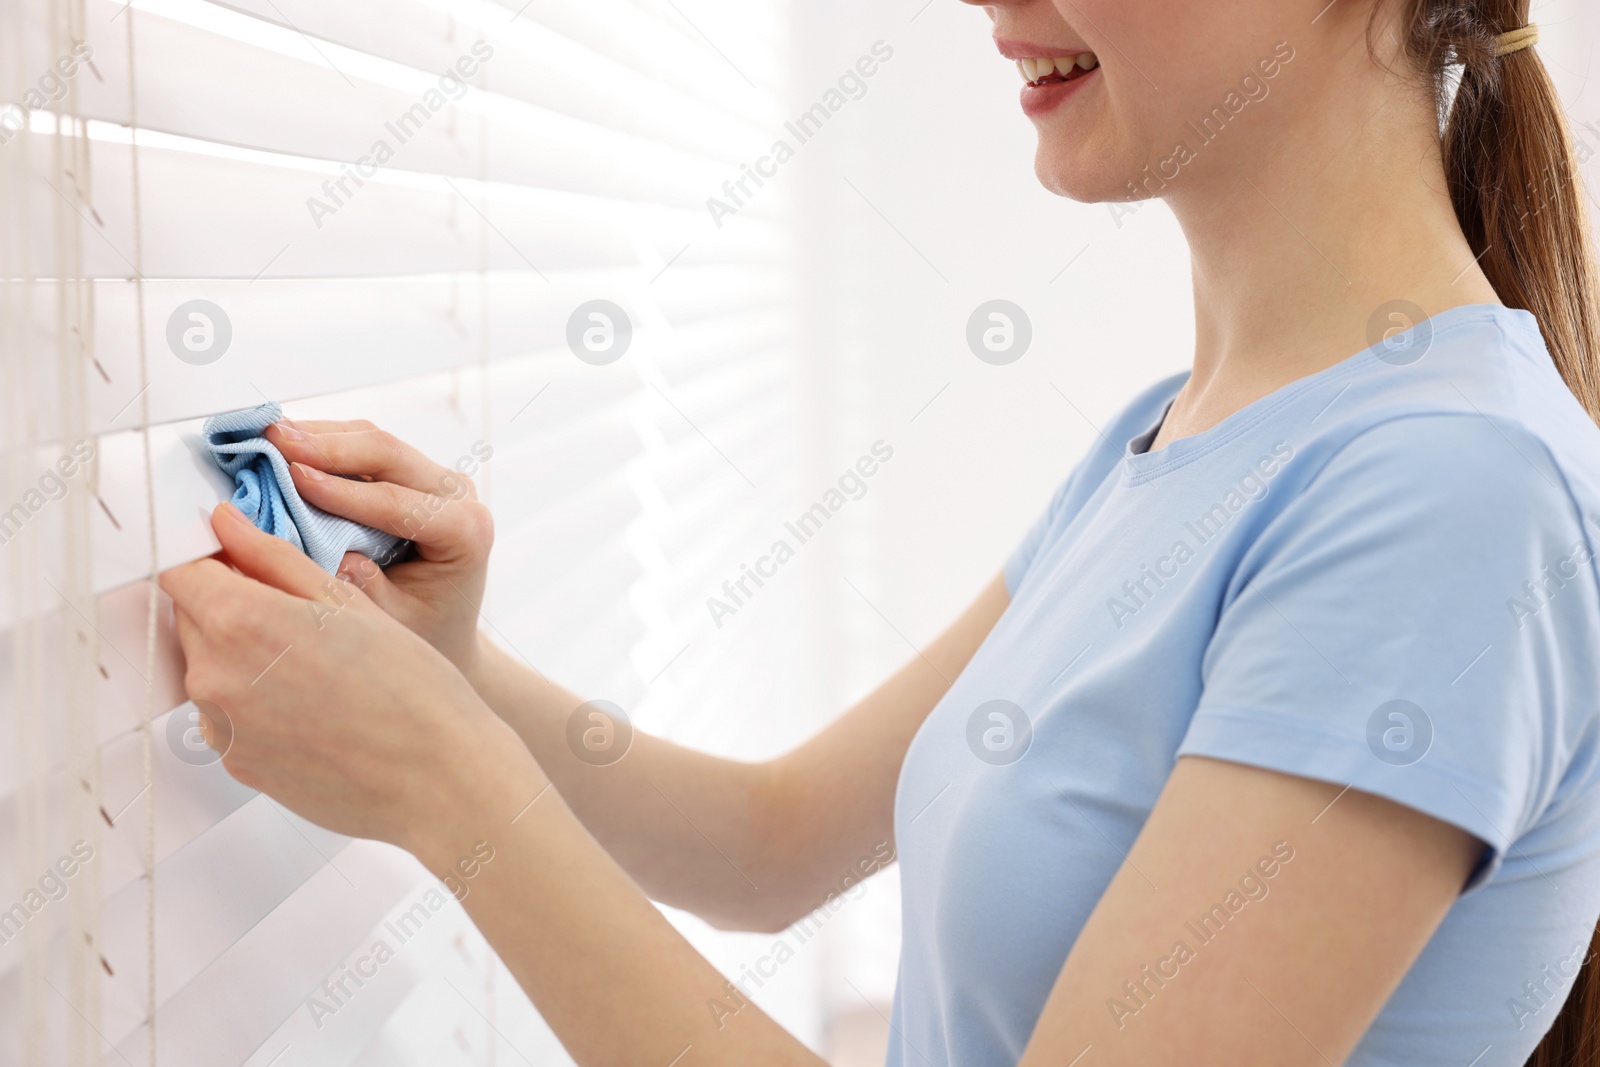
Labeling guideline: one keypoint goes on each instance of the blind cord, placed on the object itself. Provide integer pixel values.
(28, 694)
(74, 349)
(486, 415)
(153, 602)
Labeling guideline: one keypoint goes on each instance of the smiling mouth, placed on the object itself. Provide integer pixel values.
(1061, 69)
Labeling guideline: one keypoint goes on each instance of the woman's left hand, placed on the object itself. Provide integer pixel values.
(337, 710)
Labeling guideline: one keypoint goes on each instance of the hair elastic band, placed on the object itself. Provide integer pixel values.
(1516, 40)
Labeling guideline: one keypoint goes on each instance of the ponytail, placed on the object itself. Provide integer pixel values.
(1513, 176)
(1574, 1039)
(1519, 196)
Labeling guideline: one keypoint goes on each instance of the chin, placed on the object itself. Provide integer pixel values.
(1082, 173)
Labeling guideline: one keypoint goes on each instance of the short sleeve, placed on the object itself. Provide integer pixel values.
(1418, 622)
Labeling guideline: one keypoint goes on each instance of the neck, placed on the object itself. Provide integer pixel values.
(1320, 219)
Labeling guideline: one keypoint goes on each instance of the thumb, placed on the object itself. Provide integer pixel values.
(368, 577)
(268, 559)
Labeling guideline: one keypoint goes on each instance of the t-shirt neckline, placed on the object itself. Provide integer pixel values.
(1141, 465)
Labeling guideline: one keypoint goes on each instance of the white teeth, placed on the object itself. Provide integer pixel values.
(1034, 69)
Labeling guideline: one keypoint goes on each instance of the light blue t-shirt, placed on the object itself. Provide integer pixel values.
(1381, 575)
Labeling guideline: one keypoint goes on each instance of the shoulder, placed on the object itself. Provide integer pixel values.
(1482, 420)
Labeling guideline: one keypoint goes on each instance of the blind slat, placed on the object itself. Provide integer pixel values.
(663, 52)
(398, 224)
(427, 128)
(240, 998)
(296, 338)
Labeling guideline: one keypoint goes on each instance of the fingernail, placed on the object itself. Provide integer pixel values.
(289, 431)
(309, 472)
(231, 512)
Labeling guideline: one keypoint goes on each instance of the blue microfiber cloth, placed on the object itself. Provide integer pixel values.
(267, 496)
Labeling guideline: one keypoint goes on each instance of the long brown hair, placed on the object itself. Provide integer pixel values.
(1513, 175)
(1518, 193)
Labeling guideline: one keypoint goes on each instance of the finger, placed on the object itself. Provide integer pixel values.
(268, 559)
(195, 587)
(189, 632)
(328, 425)
(367, 453)
(282, 435)
(442, 528)
(368, 577)
(191, 639)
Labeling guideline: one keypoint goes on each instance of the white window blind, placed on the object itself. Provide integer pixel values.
(397, 208)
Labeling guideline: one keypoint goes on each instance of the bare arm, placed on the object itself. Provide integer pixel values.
(370, 732)
(1357, 886)
(744, 845)
(1357, 889)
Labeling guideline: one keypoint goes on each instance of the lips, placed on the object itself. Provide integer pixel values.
(1015, 49)
(1052, 80)
(1049, 91)
(1052, 72)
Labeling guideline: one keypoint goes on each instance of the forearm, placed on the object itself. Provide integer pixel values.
(691, 829)
(610, 975)
(751, 846)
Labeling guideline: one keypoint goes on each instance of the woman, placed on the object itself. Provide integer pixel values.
(1276, 741)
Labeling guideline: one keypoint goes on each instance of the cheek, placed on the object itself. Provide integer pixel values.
(1161, 70)
(1092, 146)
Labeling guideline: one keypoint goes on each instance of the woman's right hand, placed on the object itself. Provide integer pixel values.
(355, 470)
